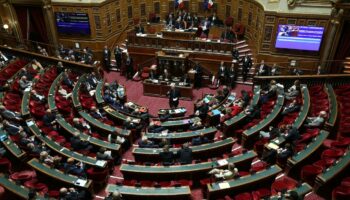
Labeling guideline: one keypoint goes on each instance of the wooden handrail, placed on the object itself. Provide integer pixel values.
(117, 39)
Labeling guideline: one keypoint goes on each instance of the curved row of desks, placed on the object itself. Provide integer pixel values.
(333, 103)
(182, 171)
(249, 135)
(52, 92)
(198, 152)
(244, 183)
(150, 193)
(301, 190)
(304, 110)
(310, 149)
(10, 145)
(19, 190)
(58, 175)
(75, 92)
(62, 150)
(230, 124)
(178, 137)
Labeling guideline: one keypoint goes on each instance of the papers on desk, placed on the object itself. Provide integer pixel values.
(164, 133)
(222, 162)
(155, 81)
(92, 92)
(134, 120)
(101, 163)
(30, 123)
(141, 35)
(280, 85)
(108, 153)
(216, 112)
(80, 182)
(273, 146)
(224, 185)
(206, 100)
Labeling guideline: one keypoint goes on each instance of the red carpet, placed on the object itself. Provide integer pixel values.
(134, 92)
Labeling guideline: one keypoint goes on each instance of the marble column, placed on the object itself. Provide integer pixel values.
(50, 23)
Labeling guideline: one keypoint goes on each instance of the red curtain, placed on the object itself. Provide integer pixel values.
(37, 29)
(343, 49)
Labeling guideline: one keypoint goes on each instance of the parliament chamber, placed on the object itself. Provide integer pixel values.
(175, 99)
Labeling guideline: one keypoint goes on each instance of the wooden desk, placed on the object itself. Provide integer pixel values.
(95, 141)
(52, 92)
(249, 135)
(75, 92)
(178, 34)
(341, 166)
(120, 117)
(99, 93)
(302, 190)
(18, 190)
(230, 124)
(304, 110)
(333, 103)
(180, 137)
(190, 171)
(310, 149)
(56, 174)
(160, 90)
(11, 146)
(245, 183)
(62, 150)
(203, 151)
(150, 193)
(174, 113)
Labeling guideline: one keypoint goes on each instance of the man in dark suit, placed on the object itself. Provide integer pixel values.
(129, 64)
(206, 26)
(139, 29)
(170, 22)
(118, 55)
(67, 81)
(245, 98)
(77, 144)
(92, 80)
(166, 156)
(152, 74)
(37, 97)
(294, 106)
(235, 54)
(201, 139)
(95, 113)
(185, 154)
(12, 128)
(174, 95)
(263, 69)
(222, 73)
(292, 134)
(198, 76)
(247, 64)
(107, 57)
(49, 119)
(102, 155)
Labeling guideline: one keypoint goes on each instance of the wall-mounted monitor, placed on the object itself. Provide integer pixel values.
(307, 38)
(72, 23)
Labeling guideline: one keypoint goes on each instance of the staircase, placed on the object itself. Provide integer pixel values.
(347, 66)
(244, 48)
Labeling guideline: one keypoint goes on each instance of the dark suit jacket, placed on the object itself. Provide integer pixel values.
(292, 135)
(167, 157)
(185, 155)
(174, 94)
(107, 55)
(48, 119)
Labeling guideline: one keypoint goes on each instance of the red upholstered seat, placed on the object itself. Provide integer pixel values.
(258, 166)
(129, 182)
(284, 183)
(227, 197)
(244, 196)
(145, 73)
(309, 173)
(2, 192)
(5, 164)
(23, 175)
(182, 182)
(261, 193)
(146, 183)
(54, 194)
(98, 175)
(34, 184)
(341, 193)
(332, 153)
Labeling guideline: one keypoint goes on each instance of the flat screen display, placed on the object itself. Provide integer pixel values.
(72, 23)
(306, 38)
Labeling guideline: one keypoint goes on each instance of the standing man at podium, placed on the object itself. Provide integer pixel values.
(107, 57)
(174, 95)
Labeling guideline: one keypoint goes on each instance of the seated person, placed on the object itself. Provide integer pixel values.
(37, 97)
(273, 132)
(81, 125)
(163, 143)
(185, 154)
(220, 95)
(316, 121)
(24, 84)
(226, 114)
(293, 91)
(103, 155)
(49, 119)
(202, 110)
(155, 127)
(9, 115)
(76, 169)
(24, 139)
(201, 139)
(114, 196)
(269, 156)
(63, 92)
(292, 134)
(11, 127)
(167, 156)
(145, 143)
(284, 153)
(33, 149)
(225, 90)
(196, 126)
(270, 92)
(236, 107)
(252, 113)
(95, 113)
(116, 138)
(46, 158)
(225, 174)
(78, 144)
(26, 73)
(67, 81)
(245, 98)
(92, 80)
(294, 106)
(129, 124)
